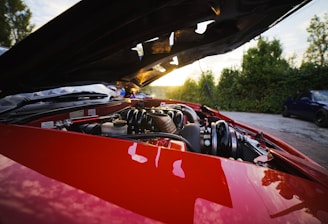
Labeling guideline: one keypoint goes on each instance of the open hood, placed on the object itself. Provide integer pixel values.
(133, 42)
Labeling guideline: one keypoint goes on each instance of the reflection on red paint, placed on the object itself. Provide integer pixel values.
(29, 197)
(124, 174)
(310, 198)
(145, 183)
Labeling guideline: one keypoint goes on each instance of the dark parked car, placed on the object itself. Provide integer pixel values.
(311, 105)
(76, 149)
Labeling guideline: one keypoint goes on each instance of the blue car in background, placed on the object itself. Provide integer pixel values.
(311, 105)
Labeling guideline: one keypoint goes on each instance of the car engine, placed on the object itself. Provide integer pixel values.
(172, 124)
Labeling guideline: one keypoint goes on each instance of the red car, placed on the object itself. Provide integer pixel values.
(75, 151)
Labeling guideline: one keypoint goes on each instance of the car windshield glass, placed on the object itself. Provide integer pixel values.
(321, 95)
(73, 93)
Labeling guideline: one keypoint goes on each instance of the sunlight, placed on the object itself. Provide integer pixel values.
(177, 77)
(214, 63)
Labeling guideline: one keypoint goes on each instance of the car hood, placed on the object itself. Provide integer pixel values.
(163, 185)
(132, 42)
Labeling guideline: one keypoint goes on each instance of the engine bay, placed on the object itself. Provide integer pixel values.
(175, 126)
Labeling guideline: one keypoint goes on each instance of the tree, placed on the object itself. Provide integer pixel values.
(187, 92)
(228, 89)
(317, 52)
(263, 69)
(206, 88)
(262, 66)
(14, 22)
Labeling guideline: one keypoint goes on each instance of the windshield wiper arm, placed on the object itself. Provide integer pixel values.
(81, 96)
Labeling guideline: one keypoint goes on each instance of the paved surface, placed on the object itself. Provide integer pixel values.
(303, 135)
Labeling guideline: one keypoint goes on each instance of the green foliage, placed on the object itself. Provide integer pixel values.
(317, 52)
(4, 27)
(263, 69)
(229, 85)
(14, 22)
(206, 88)
(257, 87)
(188, 92)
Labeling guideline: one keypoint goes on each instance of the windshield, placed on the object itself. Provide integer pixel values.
(58, 96)
(321, 95)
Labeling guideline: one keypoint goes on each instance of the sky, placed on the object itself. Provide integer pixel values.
(291, 33)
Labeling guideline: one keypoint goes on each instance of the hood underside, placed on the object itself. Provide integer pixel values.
(133, 42)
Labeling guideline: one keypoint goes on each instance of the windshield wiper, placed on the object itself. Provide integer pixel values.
(80, 96)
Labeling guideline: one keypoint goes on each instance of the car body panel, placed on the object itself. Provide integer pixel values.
(163, 185)
(30, 197)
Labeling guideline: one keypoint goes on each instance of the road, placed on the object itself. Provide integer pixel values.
(302, 135)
